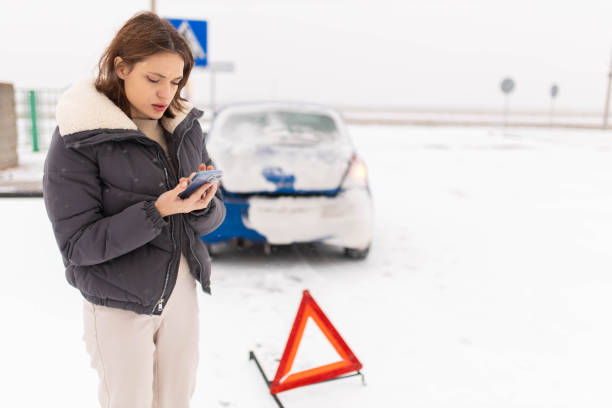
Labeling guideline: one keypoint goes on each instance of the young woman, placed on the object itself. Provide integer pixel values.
(125, 147)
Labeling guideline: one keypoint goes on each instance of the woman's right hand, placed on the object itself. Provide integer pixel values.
(170, 203)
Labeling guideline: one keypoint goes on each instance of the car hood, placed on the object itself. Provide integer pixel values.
(251, 169)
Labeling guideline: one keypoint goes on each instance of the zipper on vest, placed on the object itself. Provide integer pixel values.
(146, 141)
(160, 303)
(193, 253)
(159, 306)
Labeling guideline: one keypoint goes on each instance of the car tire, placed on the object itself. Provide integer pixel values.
(214, 249)
(354, 253)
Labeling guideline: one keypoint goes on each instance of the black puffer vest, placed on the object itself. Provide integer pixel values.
(101, 179)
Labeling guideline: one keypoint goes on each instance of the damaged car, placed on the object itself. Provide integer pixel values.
(291, 175)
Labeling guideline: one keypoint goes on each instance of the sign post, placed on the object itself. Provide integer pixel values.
(607, 106)
(507, 86)
(213, 68)
(554, 92)
(195, 32)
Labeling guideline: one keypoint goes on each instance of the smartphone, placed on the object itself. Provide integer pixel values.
(199, 179)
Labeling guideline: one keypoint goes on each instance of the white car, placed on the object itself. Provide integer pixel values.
(291, 175)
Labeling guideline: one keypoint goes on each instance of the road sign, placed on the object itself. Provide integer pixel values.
(554, 90)
(507, 85)
(196, 34)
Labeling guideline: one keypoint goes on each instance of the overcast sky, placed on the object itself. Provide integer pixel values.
(423, 53)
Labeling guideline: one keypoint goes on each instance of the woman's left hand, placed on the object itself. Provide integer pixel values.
(201, 202)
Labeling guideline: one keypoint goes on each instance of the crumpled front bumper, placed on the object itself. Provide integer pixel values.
(345, 219)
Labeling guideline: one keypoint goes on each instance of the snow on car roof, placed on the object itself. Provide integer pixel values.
(261, 106)
(293, 105)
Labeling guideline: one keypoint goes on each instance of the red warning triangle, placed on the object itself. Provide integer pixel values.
(310, 308)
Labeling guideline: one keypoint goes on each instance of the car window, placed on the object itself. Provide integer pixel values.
(280, 127)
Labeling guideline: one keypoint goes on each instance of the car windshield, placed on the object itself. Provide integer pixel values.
(280, 127)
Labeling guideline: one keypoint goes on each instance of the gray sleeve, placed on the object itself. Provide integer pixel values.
(73, 200)
(207, 219)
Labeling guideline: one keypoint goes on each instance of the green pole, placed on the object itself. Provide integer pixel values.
(33, 119)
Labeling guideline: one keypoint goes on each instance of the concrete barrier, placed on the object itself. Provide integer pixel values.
(8, 127)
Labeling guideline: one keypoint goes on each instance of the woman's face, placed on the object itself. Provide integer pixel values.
(151, 84)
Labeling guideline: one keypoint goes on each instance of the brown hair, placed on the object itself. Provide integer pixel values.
(141, 36)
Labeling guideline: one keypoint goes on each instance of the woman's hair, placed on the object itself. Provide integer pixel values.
(141, 36)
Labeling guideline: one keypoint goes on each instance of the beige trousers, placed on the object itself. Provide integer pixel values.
(146, 361)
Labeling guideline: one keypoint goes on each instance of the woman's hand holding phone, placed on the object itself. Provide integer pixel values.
(170, 203)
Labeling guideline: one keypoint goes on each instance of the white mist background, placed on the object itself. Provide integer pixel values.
(433, 54)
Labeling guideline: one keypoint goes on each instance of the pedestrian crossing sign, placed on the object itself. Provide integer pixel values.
(196, 34)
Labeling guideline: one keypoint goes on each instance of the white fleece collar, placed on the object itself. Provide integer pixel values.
(82, 108)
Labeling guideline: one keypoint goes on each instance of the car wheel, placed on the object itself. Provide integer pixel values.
(214, 249)
(354, 253)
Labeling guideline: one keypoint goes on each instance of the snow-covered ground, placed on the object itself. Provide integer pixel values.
(488, 285)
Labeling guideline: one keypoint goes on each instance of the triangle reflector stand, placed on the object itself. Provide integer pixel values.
(309, 308)
(333, 371)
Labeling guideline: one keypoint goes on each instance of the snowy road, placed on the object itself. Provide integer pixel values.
(488, 285)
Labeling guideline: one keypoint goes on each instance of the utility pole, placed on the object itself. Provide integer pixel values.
(606, 109)
(153, 6)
